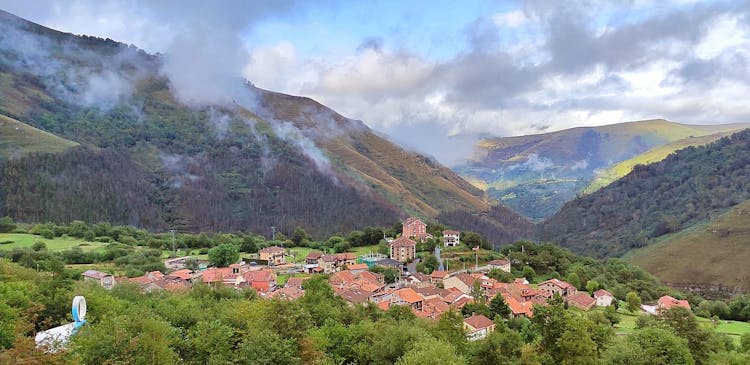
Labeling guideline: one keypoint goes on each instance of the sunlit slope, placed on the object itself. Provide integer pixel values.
(18, 139)
(716, 253)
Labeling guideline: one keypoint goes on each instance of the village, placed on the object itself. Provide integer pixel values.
(356, 280)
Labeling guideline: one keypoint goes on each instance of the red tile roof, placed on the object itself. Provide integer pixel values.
(184, 274)
(558, 283)
(358, 267)
(438, 274)
(601, 293)
(500, 262)
(409, 295)
(272, 249)
(581, 300)
(519, 308)
(667, 302)
(450, 232)
(403, 242)
(313, 255)
(479, 322)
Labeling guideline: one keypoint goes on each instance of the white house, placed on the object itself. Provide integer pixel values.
(451, 238)
(603, 298)
(478, 327)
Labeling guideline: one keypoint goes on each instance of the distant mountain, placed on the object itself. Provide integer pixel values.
(688, 187)
(251, 160)
(536, 174)
(711, 256)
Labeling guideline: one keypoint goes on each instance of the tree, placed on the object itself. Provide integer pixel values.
(7, 224)
(575, 346)
(574, 280)
(649, 346)
(501, 347)
(428, 264)
(223, 255)
(528, 272)
(299, 237)
(500, 275)
(498, 307)
(634, 301)
(38, 246)
(477, 293)
(450, 328)
(592, 286)
(389, 274)
(248, 245)
(427, 350)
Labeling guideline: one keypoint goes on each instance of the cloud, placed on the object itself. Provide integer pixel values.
(541, 65)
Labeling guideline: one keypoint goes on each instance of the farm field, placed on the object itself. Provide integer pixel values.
(21, 240)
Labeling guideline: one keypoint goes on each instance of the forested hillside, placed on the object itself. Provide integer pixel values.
(689, 186)
(248, 161)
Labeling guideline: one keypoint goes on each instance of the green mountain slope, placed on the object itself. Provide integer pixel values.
(264, 159)
(614, 172)
(687, 187)
(536, 174)
(711, 255)
(18, 139)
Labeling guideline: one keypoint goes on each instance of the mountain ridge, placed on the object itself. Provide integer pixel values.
(536, 174)
(258, 159)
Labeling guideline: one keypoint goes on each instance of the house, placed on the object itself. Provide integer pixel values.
(178, 263)
(156, 281)
(581, 300)
(558, 286)
(437, 277)
(357, 268)
(186, 274)
(107, 281)
(312, 262)
(502, 264)
(418, 280)
(316, 262)
(407, 296)
(415, 228)
(462, 281)
(519, 308)
(263, 281)
(434, 308)
(603, 298)
(291, 290)
(478, 327)
(275, 255)
(451, 238)
(403, 249)
(666, 302)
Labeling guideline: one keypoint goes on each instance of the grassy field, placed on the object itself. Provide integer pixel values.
(20, 240)
(684, 256)
(17, 139)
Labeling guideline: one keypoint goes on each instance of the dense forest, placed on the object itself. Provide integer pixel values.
(689, 186)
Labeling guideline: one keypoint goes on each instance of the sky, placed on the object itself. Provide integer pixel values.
(436, 75)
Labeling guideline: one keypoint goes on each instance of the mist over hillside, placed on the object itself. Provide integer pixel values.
(162, 147)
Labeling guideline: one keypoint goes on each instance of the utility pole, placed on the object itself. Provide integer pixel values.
(174, 252)
(273, 233)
